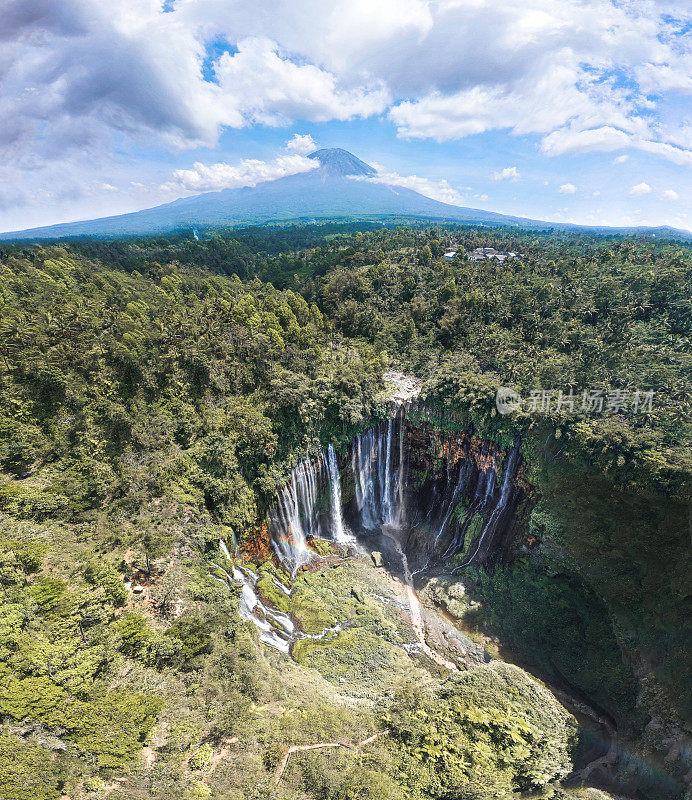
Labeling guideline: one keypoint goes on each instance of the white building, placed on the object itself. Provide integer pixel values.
(482, 253)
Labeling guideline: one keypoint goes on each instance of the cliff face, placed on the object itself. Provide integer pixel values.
(445, 493)
(466, 496)
(571, 609)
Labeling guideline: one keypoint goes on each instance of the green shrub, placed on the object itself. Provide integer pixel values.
(27, 771)
(495, 728)
(112, 728)
(560, 625)
(201, 758)
(193, 634)
(48, 592)
(104, 575)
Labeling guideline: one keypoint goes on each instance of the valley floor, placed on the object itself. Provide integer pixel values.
(379, 630)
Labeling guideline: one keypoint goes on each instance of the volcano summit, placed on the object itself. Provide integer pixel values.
(341, 186)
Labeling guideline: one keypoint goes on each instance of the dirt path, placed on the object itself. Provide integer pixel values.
(301, 748)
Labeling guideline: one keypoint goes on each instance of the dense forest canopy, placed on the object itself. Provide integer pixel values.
(154, 393)
(574, 312)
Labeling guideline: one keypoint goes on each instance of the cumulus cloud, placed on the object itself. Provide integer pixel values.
(506, 174)
(437, 190)
(301, 144)
(84, 80)
(671, 194)
(80, 71)
(620, 159)
(265, 86)
(567, 188)
(607, 139)
(90, 67)
(249, 172)
(640, 188)
(553, 70)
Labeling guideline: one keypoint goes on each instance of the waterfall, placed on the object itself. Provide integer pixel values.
(452, 501)
(362, 459)
(378, 481)
(308, 506)
(224, 549)
(479, 495)
(276, 629)
(294, 516)
(338, 531)
(387, 495)
(401, 479)
(487, 533)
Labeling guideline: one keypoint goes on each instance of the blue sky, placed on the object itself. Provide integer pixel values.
(566, 110)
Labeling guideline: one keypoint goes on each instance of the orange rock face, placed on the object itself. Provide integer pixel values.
(455, 447)
(255, 546)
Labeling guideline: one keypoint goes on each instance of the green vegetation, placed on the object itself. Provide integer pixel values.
(153, 393)
(554, 621)
(27, 771)
(486, 733)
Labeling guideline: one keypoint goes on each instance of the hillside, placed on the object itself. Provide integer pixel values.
(233, 568)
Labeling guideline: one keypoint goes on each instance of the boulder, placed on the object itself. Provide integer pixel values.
(358, 594)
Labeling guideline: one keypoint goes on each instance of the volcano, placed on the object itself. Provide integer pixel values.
(340, 187)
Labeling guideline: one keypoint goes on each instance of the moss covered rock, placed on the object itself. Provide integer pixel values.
(356, 657)
(271, 594)
(322, 547)
(311, 611)
(450, 594)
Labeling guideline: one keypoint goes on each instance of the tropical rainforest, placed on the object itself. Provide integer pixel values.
(155, 394)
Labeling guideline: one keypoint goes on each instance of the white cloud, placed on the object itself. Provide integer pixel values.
(552, 71)
(675, 77)
(249, 172)
(83, 81)
(567, 188)
(265, 86)
(640, 188)
(678, 155)
(620, 159)
(301, 144)
(87, 65)
(671, 194)
(607, 139)
(506, 174)
(95, 70)
(437, 190)
(578, 140)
